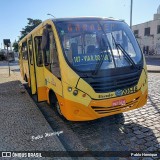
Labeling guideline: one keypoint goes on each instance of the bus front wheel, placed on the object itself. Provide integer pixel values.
(54, 103)
(58, 108)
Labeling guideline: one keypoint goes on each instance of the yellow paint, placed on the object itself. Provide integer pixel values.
(42, 93)
(79, 98)
(33, 80)
(52, 82)
(69, 107)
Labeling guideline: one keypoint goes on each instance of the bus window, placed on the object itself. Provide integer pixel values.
(91, 43)
(50, 54)
(38, 49)
(46, 49)
(24, 51)
(55, 69)
(30, 51)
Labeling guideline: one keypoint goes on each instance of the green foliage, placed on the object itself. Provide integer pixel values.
(32, 23)
(15, 46)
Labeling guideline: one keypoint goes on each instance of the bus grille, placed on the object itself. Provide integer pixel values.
(112, 83)
(122, 108)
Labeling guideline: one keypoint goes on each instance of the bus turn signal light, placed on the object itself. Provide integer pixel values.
(84, 95)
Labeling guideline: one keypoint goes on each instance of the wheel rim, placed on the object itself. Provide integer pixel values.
(58, 108)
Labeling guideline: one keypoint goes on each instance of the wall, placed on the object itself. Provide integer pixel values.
(152, 40)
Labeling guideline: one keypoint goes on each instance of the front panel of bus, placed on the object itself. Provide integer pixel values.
(103, 69)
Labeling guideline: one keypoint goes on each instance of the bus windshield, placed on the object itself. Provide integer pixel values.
(98, 45)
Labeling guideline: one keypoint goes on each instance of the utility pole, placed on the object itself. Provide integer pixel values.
(131, 14)
(7, 43)
(9, 69)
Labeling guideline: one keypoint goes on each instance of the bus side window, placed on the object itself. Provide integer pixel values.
(30, 51)
(24, 51)
(46, 50)
(39, 56)
(55, 69)
(50, 52)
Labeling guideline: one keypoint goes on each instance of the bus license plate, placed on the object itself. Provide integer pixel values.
(119, 102)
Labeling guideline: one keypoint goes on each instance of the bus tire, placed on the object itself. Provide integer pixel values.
(59, 113)
(55, 105)
(58, 109)
(52, 99)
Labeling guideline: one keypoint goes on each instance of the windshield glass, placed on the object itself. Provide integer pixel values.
(92, 45)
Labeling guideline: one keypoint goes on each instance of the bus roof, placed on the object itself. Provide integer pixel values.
(69, 19)
(82, 18)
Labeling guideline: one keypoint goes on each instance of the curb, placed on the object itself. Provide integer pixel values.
(152, 57)
(153, 71)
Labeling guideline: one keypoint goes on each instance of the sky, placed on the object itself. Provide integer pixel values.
(14, 13)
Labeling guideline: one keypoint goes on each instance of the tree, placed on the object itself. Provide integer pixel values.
(15, 46)
(32, 23)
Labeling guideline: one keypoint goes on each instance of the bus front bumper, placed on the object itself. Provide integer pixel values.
(74, 111)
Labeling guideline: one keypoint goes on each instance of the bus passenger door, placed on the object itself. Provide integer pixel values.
(51, 63)
(39, 69)
(31, 67)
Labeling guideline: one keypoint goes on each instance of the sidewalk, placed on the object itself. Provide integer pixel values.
(153, 63)
(22, 125)
(153, 69)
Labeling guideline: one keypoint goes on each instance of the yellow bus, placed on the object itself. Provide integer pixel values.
(85, 67)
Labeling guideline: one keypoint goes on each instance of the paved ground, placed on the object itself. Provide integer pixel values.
(22, 125)
(133, 131)
(137, 130)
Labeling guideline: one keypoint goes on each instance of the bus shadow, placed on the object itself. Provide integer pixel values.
(114, 134)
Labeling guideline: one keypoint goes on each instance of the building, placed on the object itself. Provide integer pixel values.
(148, 34)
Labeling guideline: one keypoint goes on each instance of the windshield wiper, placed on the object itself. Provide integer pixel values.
(127, 55)
(119, 46)
(103, 52)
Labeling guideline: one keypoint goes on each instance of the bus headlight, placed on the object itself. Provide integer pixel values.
(69, 89)
(75, 92)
